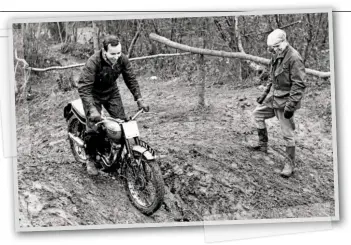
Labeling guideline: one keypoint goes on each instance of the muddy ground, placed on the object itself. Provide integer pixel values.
(209, 172)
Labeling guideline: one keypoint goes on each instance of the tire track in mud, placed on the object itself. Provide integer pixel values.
(237, 189)
(71, 197)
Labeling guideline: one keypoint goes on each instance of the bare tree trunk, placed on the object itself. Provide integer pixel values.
(232, 42)
(104, 28)
(321, 28)
(202, 76)
(220, 29)
(38, 30)
(59, 31)
(27, 27)
(23, 32)
(201, 68)
(277, 20)
(23, 42)
(174, 23)
(240, 47)
(66, 31)
(228, 21)
(308, 38)
(320, 24)
(181, 32)
(270, 22)
(325, 33)
(155, 27)
(16, 89)
(74, 32)
(135, 38)
(95, 36)
(124, 36)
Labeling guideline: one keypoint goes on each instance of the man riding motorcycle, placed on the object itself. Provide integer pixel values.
(97, 87)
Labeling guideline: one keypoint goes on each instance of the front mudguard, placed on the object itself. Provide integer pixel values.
(144, 152)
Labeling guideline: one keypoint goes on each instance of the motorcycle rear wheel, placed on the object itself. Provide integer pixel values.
(148, 198)
(76, 128)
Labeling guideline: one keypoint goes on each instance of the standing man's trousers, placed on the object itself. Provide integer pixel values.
(263, 112)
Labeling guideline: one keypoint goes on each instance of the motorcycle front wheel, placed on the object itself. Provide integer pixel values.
(144, 186)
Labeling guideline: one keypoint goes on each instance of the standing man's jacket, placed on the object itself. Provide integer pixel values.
(98, 78)
(288, 78)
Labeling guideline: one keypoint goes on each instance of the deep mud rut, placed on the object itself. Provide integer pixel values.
(209, 172)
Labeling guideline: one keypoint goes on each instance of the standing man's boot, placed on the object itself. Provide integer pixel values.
(91, 169)
(262, 140)
(290, 163)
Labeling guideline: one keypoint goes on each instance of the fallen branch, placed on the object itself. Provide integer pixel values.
(82, 64)
(195, 50)
(56, 67)
(160, 55)
(237, 55)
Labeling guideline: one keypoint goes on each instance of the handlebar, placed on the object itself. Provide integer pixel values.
(137, 114)
(119, 120)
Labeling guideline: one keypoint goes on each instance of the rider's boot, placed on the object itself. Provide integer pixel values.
(262, 141)
(90, 149)
(91, 168)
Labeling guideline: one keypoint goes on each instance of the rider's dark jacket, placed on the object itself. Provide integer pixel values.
(288, 77)
(98, 78)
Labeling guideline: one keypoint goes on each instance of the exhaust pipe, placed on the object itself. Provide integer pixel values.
(77, 140)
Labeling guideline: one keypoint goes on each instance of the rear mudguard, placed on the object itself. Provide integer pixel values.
(69, 110)
(144, 152)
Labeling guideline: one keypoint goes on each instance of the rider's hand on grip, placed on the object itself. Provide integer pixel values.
(142, 105)
(94, 115)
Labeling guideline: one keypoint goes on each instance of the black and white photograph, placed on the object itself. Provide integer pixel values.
(174, 119)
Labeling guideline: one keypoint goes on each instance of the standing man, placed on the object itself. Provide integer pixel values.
(97, 87)
(287, 77)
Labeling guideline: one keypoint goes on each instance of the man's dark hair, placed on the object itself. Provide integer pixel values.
(111, 39)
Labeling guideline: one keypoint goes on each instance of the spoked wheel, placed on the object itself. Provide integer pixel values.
(76, 128)
(144, 186)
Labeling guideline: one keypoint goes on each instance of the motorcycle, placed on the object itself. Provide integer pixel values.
(120, 150)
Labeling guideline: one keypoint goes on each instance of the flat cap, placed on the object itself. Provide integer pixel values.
(275, 37)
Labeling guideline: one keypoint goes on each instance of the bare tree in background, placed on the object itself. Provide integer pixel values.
(139, 26)
(59, 31)
(95, 36)
(201, 65)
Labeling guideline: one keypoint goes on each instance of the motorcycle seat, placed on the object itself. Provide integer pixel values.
(77, 106)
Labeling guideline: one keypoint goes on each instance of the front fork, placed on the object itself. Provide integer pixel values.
(130, 161)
